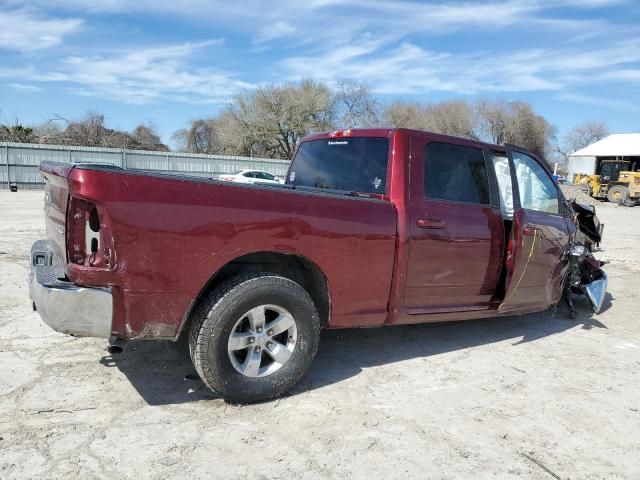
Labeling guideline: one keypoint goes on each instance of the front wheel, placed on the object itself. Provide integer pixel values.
(254, 337)
(617, 194)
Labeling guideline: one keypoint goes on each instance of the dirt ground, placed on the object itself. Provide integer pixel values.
(536, 396)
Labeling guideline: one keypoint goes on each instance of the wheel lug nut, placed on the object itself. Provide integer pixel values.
(269, 332)
(252, 340)
(257, 349)
(259, 329)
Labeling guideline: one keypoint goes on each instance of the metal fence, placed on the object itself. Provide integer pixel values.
(19, 162)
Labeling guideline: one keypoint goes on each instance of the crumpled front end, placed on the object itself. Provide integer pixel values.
(586, 276)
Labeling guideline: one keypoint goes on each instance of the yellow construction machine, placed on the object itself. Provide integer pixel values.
(616, 182)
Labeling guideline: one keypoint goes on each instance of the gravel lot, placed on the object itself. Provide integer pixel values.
(536, 396)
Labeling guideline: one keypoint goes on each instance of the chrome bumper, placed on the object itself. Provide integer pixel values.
(596, 292)
(65, 306)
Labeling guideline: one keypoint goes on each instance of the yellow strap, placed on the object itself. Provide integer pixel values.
(533, 244)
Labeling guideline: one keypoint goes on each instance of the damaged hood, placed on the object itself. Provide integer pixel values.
(587, 221)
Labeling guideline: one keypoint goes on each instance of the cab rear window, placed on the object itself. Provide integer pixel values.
(356, 164)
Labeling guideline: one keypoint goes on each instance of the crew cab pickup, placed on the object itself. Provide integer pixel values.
(373, 227)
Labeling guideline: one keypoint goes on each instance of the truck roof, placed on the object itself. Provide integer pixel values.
(388, 132)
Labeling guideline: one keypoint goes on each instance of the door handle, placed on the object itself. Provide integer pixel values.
(430, 223)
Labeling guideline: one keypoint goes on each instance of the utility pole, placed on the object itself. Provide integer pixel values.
(6, 159)
(124, 154)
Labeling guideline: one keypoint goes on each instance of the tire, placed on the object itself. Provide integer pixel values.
(229, 317)
(617, 194)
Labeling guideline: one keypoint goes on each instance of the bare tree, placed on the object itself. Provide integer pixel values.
(401, 114)
(236, 136)
(453, 117)
(271, 120)
(16, 133)
(146, 137)
(179, 139)
(516, 123)
(357, 106)
(48, 129)
(91, 131)
(581, 136)
(198, 138)
(88, 131)
(493, 120)
(529, 130)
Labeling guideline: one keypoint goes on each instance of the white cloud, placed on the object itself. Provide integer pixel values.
(275, 30)
(25, 31)
(601, 102)
(583, 3)
(625, 75)
(392, 45)
(322, 19)
(16, 72)
(25, 88)
(411, 69)
(147, 75)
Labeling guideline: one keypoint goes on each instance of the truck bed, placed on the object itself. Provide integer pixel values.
(170, 235)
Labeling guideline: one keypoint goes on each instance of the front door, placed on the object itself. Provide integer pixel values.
(537, 250)
(457, 233)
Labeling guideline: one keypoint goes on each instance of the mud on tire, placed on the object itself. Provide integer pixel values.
(222, 319)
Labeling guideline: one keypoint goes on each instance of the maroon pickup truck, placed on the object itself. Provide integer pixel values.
(373, 227)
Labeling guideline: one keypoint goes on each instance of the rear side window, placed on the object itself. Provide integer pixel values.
(456, 173)
(353, 164)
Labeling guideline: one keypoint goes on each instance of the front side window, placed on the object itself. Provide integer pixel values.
(536, 188)
(456, 173)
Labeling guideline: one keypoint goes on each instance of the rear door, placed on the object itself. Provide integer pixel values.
(457, 233)
(536, 257)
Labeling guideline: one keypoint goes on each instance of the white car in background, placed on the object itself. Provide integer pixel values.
(251, 176)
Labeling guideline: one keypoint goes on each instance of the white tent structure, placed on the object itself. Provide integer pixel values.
(623, 146)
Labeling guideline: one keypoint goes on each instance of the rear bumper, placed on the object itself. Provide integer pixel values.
(65, 306)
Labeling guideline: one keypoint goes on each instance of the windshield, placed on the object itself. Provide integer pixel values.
(351, 164)
(610, 171)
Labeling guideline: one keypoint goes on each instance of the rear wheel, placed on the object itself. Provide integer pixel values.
(254, 337)
(617, 194)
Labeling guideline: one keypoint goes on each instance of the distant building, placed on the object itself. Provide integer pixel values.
(619, 146)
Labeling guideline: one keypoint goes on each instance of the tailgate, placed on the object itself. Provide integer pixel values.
(56, 197)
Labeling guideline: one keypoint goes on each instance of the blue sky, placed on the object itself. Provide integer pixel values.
(169, 62)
